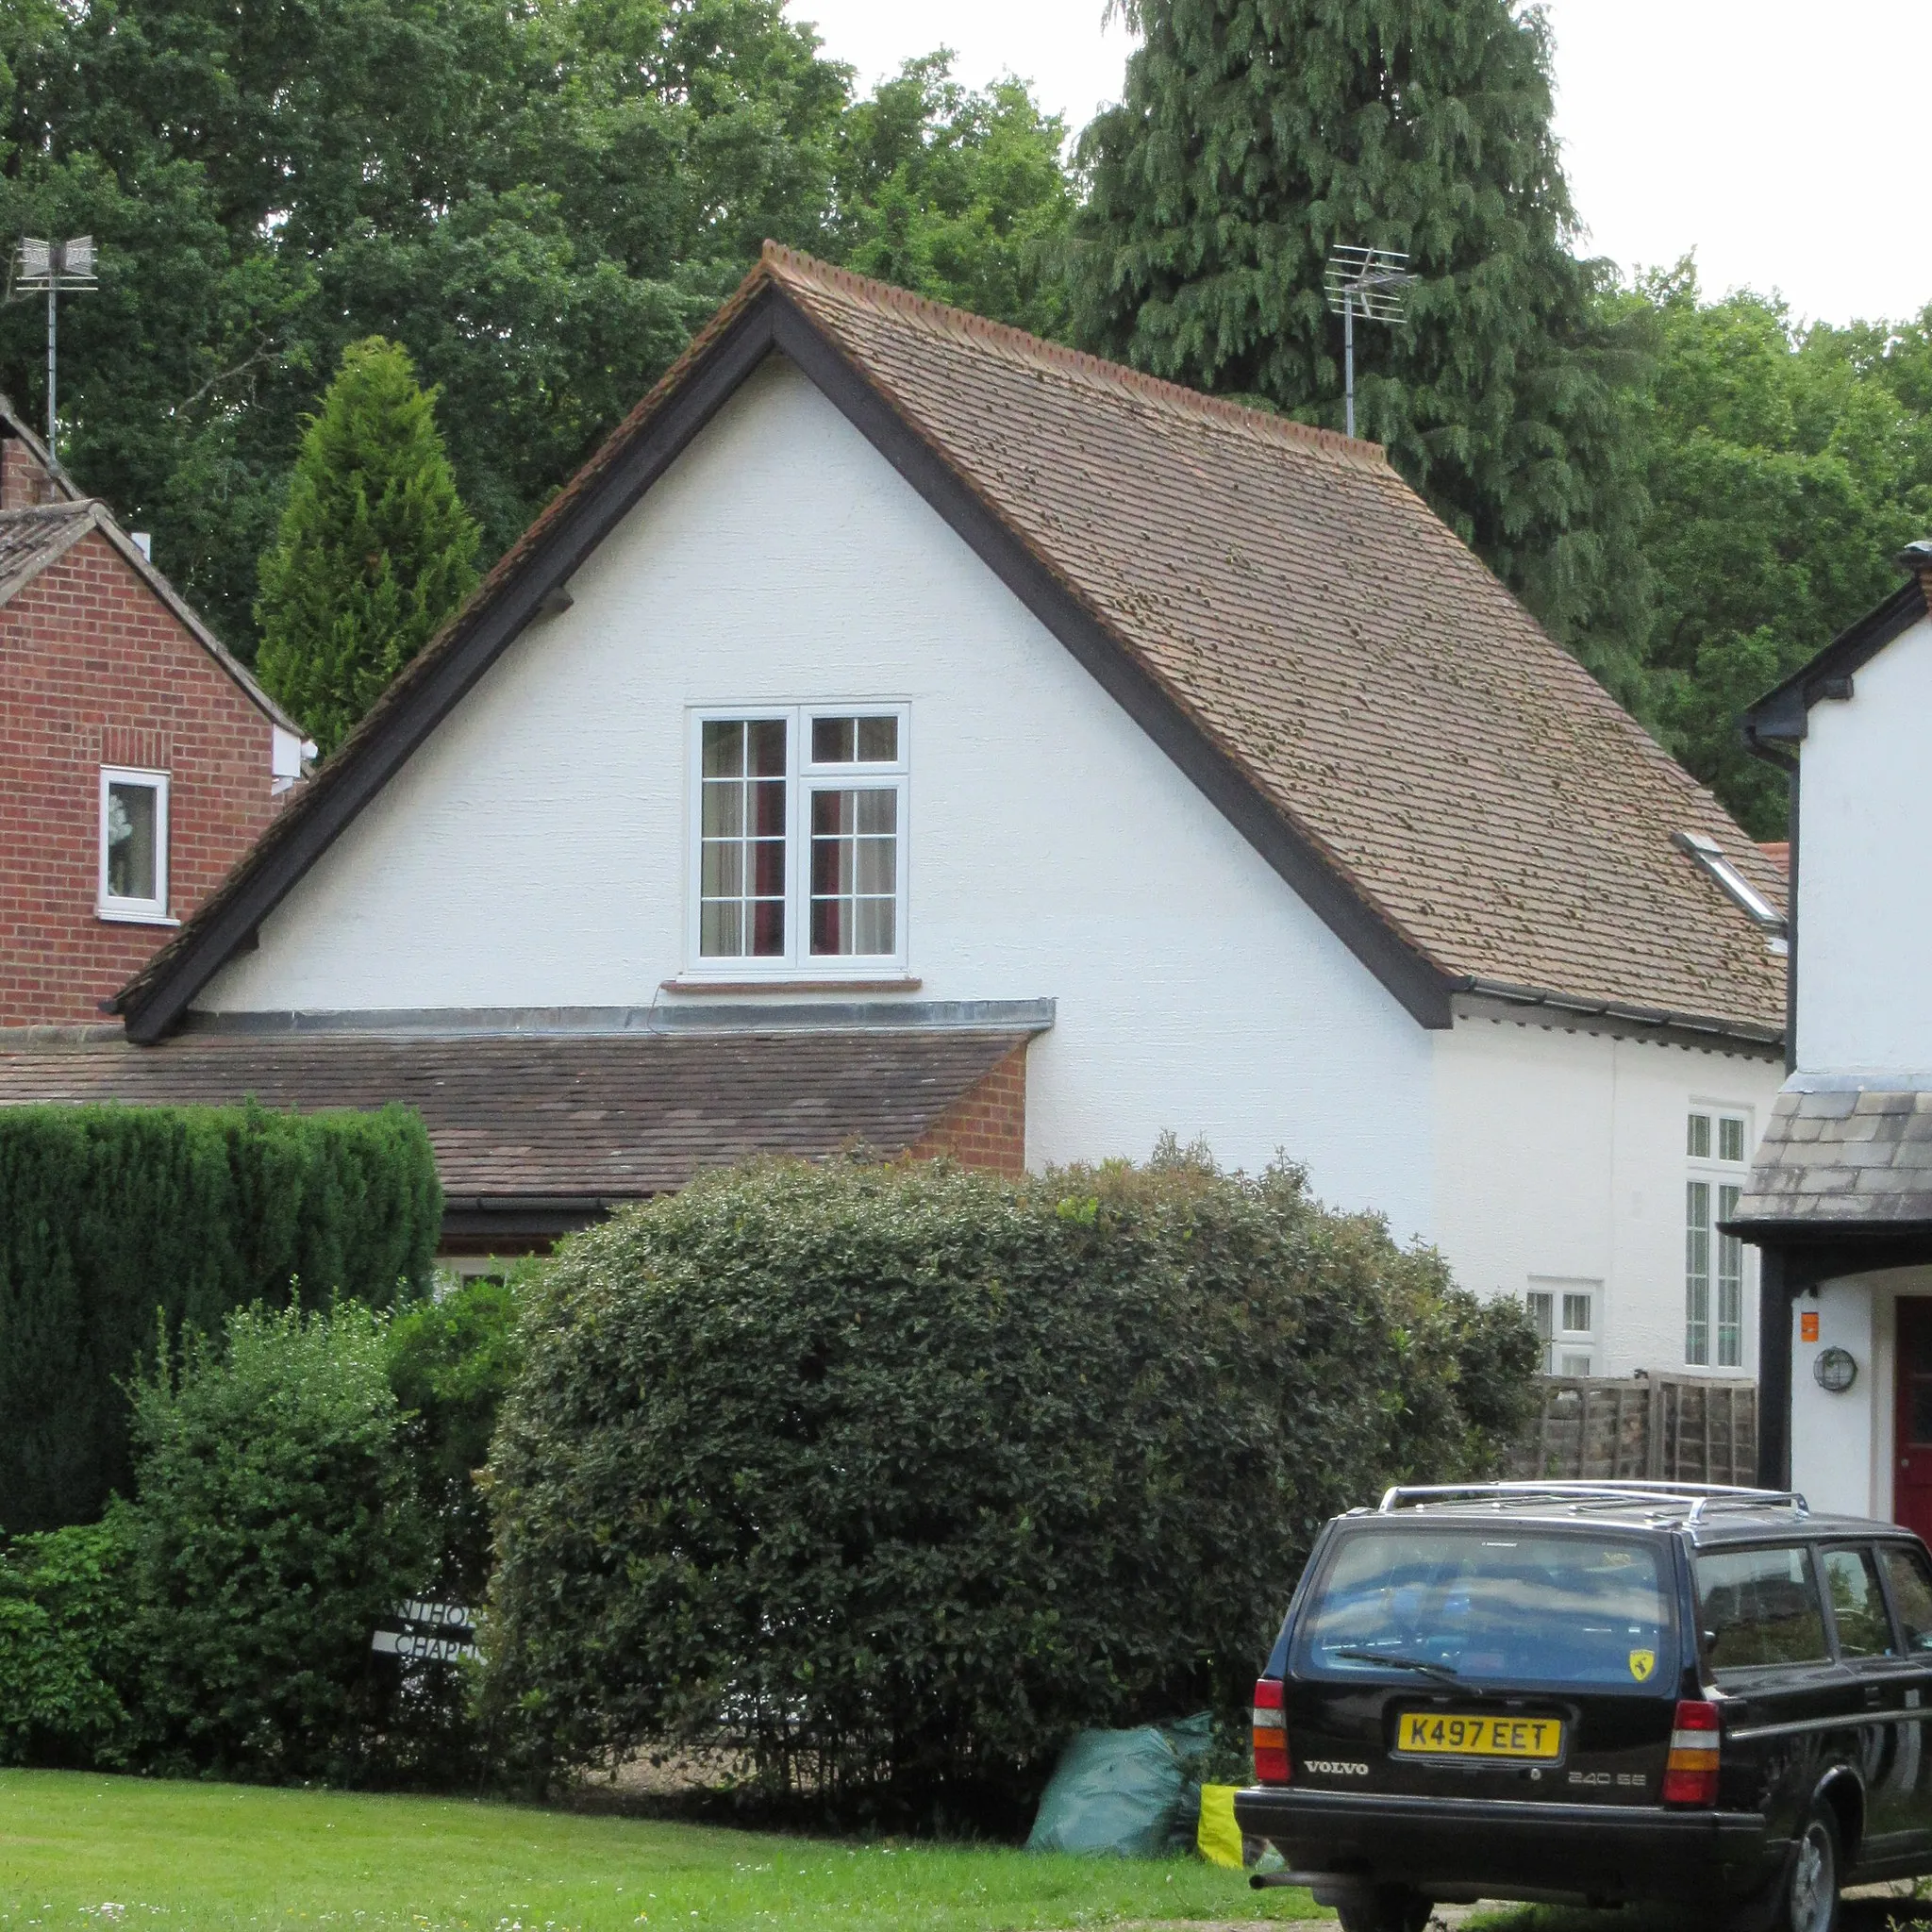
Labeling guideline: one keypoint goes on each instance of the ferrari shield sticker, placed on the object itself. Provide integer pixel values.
(1641, 1663)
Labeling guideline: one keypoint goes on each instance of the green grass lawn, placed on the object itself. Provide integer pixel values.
(81, 1849)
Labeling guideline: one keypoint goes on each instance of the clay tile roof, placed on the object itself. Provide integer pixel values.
(1384, 691)
(1459, 778)
(532, 1116)
(30, 540)
(1840, 1155)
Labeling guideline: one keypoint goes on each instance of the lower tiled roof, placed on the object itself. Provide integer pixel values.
(553, 1116)
(1843, 1155)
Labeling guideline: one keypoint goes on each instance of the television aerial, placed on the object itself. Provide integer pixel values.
(1369, 282)
(57, 267)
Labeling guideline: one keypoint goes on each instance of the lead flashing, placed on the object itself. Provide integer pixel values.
(747, 1016)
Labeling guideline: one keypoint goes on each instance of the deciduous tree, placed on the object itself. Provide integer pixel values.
(1784, 467)
(540, 203)
(959, 194)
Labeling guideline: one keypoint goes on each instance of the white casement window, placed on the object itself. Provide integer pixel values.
(134, 845)
(799, 815)
(1564, 1313)
(1716, 1144)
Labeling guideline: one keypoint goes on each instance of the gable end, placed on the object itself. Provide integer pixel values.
(1779, 718)
(764, 317)
(1422, 989)
(428, 691)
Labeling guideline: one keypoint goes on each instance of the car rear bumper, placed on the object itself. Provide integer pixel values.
(1505, 1848)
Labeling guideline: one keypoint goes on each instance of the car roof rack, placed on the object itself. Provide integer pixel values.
(1751, 1499)
(1701, 1498)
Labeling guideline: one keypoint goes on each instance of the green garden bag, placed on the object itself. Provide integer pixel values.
(1125, 1794)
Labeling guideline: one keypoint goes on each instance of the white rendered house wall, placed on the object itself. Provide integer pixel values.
(1864, 910)
(1562, 1165)
(534, 850)
(1841, 1443)
(1843, 1447)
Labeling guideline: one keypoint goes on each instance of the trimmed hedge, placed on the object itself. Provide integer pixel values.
(893, 1477)
(111, 1214)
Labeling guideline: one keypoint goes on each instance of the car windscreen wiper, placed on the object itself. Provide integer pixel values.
(1448, 1672)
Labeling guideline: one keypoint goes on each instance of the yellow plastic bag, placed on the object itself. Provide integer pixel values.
(1219, 1836)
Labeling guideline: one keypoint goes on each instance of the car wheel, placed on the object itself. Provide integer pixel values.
(1390, 1909)
(1809, 1899)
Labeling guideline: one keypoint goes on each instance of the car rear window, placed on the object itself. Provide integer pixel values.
(1489, 1601)
(1759, 1606)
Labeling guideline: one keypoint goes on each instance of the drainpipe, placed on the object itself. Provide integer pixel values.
(1776, 1283)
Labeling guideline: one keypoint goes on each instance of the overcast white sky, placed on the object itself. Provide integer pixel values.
(1784, 141)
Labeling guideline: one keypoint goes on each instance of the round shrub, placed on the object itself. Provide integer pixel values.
(277, 1522)
(892, 1476)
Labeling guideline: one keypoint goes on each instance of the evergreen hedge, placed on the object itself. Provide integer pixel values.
(890, 1477)
(111, 1216)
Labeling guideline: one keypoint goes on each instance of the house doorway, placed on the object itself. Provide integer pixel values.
(1912, 1477)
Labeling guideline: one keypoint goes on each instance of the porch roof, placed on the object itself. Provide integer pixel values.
(1841, 1155)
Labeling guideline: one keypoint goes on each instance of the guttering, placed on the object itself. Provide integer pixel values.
(1661, 1018)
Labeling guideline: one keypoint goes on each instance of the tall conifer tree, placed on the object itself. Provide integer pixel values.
(374, 550)
(1256, 135)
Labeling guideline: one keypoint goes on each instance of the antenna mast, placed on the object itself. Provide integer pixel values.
(1366, 282)
(55, 266)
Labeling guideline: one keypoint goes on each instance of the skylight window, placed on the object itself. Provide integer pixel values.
(1709, 855)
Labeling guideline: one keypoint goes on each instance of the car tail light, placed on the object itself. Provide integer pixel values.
(1270, 1734)
(1690, 1771)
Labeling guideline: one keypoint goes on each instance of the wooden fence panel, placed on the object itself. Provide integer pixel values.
(1671, 1428)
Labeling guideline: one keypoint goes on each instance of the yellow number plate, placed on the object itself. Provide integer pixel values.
(1441, 1734)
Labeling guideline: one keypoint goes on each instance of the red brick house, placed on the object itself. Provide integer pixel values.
(138, 759)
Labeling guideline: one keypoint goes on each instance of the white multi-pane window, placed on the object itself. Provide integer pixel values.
(800, 815)
(1716, 1144)
(133, 880)
(743, 815)
(1564, 1313)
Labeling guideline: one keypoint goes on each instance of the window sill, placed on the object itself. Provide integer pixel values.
(130, 915)
(790, 986)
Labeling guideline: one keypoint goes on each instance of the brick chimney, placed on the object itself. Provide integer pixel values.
(1917, 558)
(24, 481)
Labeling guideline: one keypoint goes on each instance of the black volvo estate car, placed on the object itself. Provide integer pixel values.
(1595, 1693)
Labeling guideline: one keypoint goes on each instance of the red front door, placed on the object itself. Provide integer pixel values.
(1911, 1493)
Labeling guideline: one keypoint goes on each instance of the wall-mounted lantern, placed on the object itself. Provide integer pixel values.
(1835, 1369)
